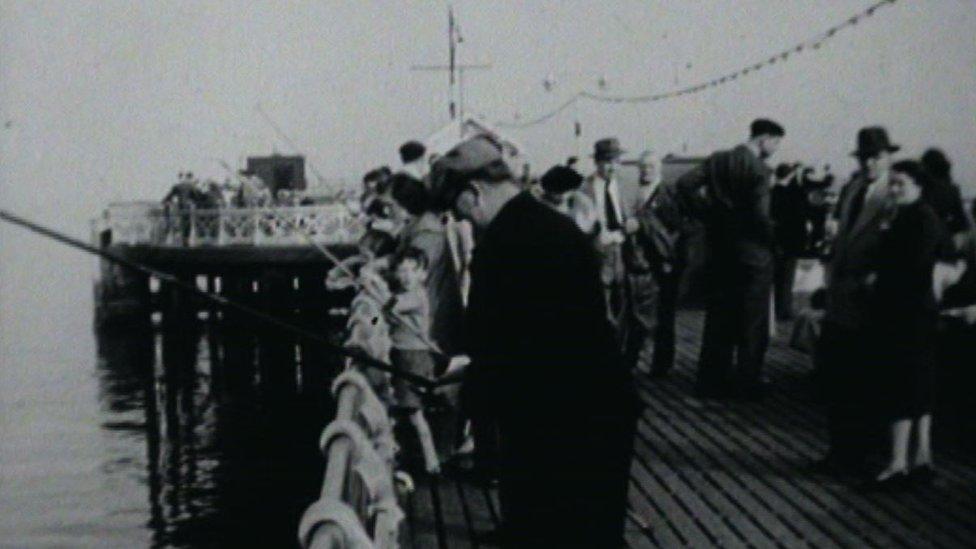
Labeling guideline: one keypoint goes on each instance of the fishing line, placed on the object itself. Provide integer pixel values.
(423, 384)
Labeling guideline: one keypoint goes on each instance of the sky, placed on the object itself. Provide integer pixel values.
(107, 100)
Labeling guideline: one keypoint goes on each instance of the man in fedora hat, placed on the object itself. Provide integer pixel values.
(613, 227)
(846, 348)
(738, 263)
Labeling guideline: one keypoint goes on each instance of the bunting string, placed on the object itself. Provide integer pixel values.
(813, 43)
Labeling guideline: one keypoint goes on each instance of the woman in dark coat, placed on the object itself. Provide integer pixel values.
(905, 316)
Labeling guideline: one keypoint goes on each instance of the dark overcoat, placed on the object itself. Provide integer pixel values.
(855, 255)
(548, 369)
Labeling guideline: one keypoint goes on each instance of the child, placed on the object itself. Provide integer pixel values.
(408, 313)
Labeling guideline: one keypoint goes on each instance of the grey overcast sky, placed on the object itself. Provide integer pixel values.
(107, 100)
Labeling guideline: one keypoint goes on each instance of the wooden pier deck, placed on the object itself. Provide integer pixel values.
(735, 474)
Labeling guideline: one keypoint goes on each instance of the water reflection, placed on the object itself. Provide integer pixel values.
(230, 418)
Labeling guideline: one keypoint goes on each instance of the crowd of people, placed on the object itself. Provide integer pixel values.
(246, 190)
(190, 194)
(542, 298)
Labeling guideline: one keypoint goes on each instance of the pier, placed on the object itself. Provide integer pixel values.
(275, 256)
(704, 473)
(736, 474)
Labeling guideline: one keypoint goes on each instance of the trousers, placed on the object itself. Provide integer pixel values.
(736, 322)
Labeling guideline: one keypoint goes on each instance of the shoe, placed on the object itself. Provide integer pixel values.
(923, 474)
(895, 483)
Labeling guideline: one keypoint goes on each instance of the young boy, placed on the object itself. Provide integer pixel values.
(408, 313)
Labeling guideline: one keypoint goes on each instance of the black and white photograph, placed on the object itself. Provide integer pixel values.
(326, 274)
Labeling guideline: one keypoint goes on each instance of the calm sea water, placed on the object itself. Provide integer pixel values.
(205, 436)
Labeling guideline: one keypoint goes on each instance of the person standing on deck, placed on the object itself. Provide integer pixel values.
(739, 244)
(645, 271)
(614, 226)
(942, 193)
(663, 219)
(847, 345)
(544, 363)
(789, 209)
(425, 230)
(905, 316)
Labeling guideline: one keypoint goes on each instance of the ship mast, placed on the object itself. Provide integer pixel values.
(455, 70)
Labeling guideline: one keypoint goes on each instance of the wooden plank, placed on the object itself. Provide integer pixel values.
(897, 516)
(836, 529)
(656, 489)
(655, 524)
(751, 434)
(763, 522)
(790, 409)
(911, 509)
(635, 538)
(713, 524)
(794, 512)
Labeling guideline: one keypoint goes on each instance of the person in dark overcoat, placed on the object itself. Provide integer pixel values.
(943, 195)
(905, 316)
(544, 363)
(846, 348)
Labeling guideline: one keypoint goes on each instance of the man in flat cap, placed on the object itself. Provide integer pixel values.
(544, 364)
(738, 264)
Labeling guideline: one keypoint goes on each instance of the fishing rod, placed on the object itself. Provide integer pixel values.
(322, 249)
(422, 383)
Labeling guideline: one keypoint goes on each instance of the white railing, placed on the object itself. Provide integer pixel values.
(152, 224)
(357, 506)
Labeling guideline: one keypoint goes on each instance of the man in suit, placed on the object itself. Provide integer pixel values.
(739, 264)
(544, 364)
(846, 348)
(613, 227)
